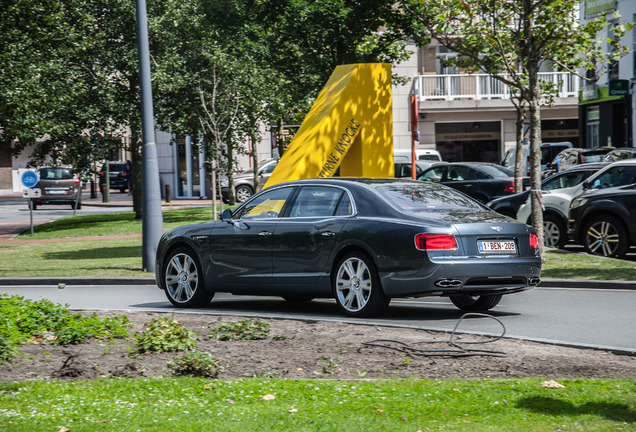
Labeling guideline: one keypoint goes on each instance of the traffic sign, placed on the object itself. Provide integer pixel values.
(29, 179)
(31, 193)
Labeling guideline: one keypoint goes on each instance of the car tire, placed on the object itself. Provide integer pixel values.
(470, 303)
(183, 280)
(356, 286)
(554, 234)
(606, 235)
(34, 206)
(242, 193)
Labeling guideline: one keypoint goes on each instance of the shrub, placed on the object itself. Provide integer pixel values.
(195, 363)
(23, 320)
(164, 335)
(247, 329)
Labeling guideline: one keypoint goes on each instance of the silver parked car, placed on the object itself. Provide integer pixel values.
(244, 182)
(557, 201)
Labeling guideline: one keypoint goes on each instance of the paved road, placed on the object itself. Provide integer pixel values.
(574, 317)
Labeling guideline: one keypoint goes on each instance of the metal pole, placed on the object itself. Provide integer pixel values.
(152, 217)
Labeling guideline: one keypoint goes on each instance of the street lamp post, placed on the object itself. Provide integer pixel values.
(152, 217)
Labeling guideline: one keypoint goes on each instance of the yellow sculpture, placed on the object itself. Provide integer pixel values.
(350, 126)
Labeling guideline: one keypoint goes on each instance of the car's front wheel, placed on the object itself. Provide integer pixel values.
(470, 303)
(184, 283)
(243, 193)
(553, 231)
(356, 286)
(605, 235)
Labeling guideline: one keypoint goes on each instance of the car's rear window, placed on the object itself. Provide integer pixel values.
(592, 157)
(56, 174)
(416, 197)
(497, 171)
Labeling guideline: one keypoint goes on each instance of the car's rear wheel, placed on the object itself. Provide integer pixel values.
(470, 303)
(184, 283)
(553, 231)
(243, 193)
(356, 286)
(605, 235)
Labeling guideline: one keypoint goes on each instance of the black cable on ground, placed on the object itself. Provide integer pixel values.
(456, 349)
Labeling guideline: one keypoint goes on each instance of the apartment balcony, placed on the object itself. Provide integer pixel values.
(478, 89)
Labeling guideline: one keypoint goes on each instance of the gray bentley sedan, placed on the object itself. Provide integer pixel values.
(359, 241)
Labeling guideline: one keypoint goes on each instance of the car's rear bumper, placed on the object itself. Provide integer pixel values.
(474, 276)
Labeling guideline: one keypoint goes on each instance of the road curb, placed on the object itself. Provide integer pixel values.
(79, 280)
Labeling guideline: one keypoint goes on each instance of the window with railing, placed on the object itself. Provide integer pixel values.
(483, 86)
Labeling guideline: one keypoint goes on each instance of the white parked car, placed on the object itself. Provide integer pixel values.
(405, 155)
(559, 190)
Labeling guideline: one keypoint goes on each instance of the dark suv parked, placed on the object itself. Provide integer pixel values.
(604, 220)
(116, 176)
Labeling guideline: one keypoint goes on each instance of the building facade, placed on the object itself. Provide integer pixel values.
(471, 117)
(607, 109)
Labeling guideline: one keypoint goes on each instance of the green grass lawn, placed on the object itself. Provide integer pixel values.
(113, 224)
(193, 404)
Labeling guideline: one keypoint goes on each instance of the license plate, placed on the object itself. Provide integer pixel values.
(496, 246)
(56, 192)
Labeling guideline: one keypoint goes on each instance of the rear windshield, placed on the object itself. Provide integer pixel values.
(496, 171)
(427, 196)
(592, 157)
(56, 174)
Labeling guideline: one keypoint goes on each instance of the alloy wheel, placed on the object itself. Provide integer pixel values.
(181, 277)
(353, 284)
(602, 238)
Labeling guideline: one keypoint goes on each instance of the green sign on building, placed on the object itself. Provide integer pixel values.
(618, 87)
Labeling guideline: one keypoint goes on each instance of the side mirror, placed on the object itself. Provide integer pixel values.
(226, 215)
(586, 184)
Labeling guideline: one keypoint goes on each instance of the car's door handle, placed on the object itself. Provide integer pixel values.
(328, 234)
(264, 233)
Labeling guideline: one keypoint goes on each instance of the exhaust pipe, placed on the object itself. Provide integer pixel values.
(534, 281)
(448, 283)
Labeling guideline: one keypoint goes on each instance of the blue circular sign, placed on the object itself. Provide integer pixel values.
(29, 179)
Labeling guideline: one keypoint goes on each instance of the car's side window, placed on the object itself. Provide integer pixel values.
(267, 205)
(316, 201)
(267, 169)
(616, 176)
(435, 175)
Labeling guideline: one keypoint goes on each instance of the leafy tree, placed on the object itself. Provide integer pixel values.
(307, 39)
(510, 40)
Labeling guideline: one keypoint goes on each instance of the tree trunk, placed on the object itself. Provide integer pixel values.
(519, 172)
(280, 140)
(535, 153)
(136, 146)
(230, 174)
(254, 156)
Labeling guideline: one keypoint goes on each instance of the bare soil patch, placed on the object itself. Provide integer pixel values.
(318, 350)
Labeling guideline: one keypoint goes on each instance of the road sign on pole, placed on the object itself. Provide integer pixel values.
(29, 179)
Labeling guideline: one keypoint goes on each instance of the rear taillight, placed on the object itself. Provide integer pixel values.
(435, 242)
(534, 241)
(511, 187)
